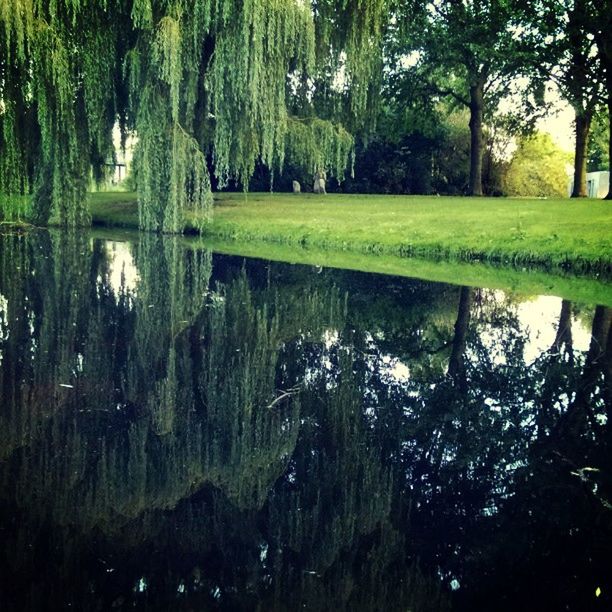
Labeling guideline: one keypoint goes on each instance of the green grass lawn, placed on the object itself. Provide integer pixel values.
(565, 234)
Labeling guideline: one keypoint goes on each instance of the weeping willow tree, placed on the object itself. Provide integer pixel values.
(207, 83)
(183, 378)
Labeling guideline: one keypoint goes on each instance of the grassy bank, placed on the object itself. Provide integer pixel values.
(568, 235)
(517, 281)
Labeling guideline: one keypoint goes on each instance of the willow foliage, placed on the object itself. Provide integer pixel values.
(349, 36)
(320, 146)
(204, 83)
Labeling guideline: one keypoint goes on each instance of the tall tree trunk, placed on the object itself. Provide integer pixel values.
(564, 330)
(583, 125)
(476, 140)
(595, 364)
(553, 370)
(456, 364)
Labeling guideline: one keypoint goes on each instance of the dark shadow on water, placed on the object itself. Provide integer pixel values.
(181, 430)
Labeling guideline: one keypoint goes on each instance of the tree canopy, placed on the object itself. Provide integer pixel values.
(570, 39)
(196, 81)
(469, 51)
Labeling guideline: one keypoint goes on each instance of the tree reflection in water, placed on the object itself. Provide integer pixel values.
(218, 433)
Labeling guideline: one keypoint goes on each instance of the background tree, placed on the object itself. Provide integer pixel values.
(422, 148)
(537, 168)
(598, 155)
(604, 50)
(470, 51)
(567, 37)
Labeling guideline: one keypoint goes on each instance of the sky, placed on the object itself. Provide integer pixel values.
(559, 120)
(560, 124)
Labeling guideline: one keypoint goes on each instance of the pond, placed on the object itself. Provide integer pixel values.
(185, 430)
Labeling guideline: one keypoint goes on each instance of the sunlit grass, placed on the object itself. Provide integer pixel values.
(549, 234)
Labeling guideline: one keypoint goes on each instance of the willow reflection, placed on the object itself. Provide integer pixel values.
(246, 435)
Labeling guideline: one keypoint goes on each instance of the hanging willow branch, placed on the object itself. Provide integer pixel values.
(191, 79)
(320, 146)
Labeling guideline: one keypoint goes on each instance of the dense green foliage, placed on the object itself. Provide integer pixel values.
(191, 79)
(537, 169)
(571, 43)
(425, 152)
(599, 150)
(467, 51)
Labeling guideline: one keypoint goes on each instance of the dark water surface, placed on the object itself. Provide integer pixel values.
(187, 431)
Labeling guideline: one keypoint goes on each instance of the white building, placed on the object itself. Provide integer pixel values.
(598, 184)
